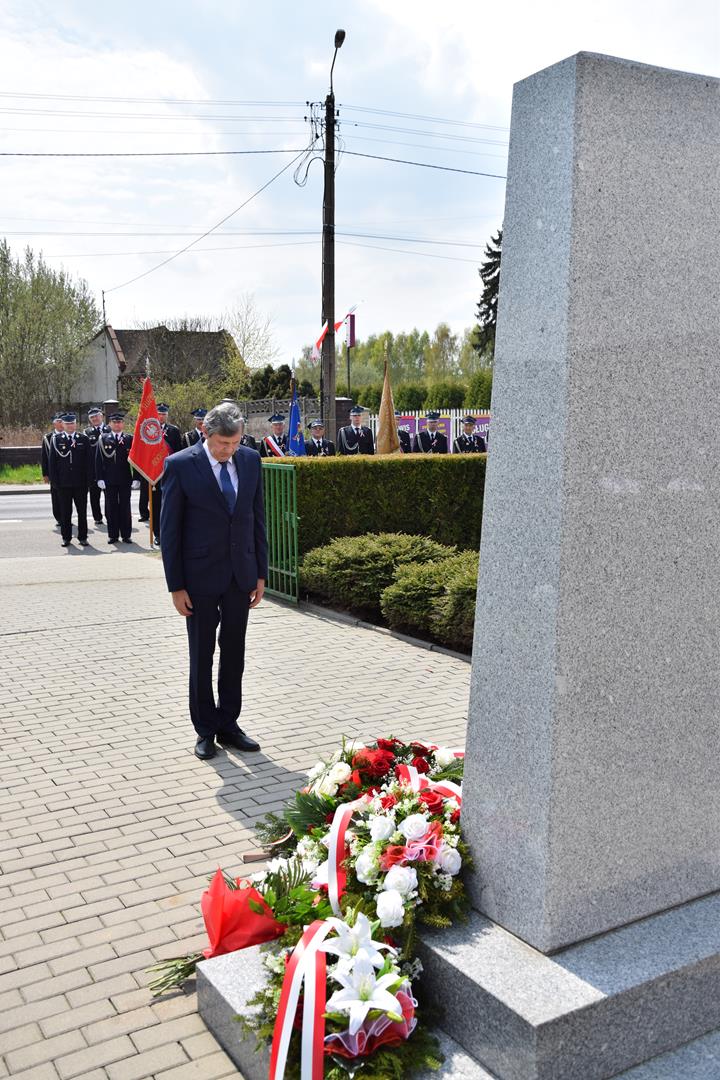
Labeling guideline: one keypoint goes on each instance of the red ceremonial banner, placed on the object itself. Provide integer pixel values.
(149, 449)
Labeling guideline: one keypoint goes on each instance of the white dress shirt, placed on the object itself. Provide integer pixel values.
(216, 465)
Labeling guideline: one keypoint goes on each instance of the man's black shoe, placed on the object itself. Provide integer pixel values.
(83, 543)
(238, 739)
(65, 543)
(205, 748)
(98, 521)
(143, 519)
(112, 539)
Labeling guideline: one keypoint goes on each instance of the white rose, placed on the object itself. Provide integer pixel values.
(448, 859)
(414, 827)
(444, 757)
(381, 828)
(340, 772)
(390, 908)
(276, 864)
(401, 878)
(326, 786)
(366, 866)
(321, 875)
(317, 770)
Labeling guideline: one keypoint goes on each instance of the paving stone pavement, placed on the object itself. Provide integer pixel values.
(110, 827)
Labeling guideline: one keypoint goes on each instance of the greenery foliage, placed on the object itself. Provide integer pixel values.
(438, 495)
(352, 572)
(436, 600)
(20, 474)
(46, 319)
(484, 340)
(479, 390)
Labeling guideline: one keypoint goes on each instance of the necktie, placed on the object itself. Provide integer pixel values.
(227, 486)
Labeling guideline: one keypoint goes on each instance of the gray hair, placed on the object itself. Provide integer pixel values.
(224, 419)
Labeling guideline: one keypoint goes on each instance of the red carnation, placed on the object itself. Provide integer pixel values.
(374, 763)
(394, 855)
(420, 764)
(388, 801)
(420, 748)
(433, 801)
(455, 817)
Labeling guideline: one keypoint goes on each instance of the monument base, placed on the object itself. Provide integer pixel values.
(586, 1013)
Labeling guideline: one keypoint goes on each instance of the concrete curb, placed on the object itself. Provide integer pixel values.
(351, 620)
(24, 489)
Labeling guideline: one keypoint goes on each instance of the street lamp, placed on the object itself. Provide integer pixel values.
(327, 363)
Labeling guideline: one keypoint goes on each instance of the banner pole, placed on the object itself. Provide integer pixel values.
(150, 508)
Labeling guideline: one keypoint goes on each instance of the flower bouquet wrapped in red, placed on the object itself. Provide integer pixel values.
(232, 918)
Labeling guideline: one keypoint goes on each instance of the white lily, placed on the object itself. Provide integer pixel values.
(355, 941)
(362, 991)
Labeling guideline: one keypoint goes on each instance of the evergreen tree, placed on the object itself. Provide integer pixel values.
(488, 305)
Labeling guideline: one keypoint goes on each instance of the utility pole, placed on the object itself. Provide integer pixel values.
(327, 362)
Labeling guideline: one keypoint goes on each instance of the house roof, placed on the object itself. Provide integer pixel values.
(131, 346)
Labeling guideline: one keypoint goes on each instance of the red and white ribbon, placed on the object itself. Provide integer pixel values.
(336, 852)
(305, 967)
(273, 447)
(410, 775)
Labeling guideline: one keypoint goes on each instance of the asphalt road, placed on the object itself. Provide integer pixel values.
(27, 529)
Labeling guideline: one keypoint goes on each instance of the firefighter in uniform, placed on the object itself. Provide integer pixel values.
(70, 467)
(469, 442)
(195, 434)
(404, 437)
(247, 440)
(278, 436)
(173, 438)
(317, 445)
(94, 431)
(431, 441)
(355, 438)
(114, 477)
(45, 449)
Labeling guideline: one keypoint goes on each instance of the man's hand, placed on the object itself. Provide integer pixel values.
(257, 593)
(101, 484)
(135, 485)
(182, 602)
(46, 479)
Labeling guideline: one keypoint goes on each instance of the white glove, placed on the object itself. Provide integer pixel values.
(101, 484)
(135, 485)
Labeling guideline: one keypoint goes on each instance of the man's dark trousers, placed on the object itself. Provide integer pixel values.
(66, 497)
(117, 511)
(144, 503)
(95, 504)
(230, 611)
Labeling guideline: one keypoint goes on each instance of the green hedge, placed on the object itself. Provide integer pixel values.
(436, 600)
(352, 572)
(438, 496)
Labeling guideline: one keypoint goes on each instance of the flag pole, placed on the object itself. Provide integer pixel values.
(150, 509)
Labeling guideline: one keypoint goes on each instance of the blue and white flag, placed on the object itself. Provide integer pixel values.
(296, 439)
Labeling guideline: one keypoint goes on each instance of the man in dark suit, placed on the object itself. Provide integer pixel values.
(355, 438)
(431, 441)
(317, 445)
(215, 556)
(93, 431)
(195, 434)
(469, 442)
(70, 467)
(276, 440)
(45, 451)
(114, 477)
(404, 437)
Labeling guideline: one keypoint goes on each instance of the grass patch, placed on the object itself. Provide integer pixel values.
(20, 474)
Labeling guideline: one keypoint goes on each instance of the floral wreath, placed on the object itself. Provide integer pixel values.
(369, 848)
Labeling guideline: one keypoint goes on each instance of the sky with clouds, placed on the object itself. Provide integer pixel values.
(417, 80)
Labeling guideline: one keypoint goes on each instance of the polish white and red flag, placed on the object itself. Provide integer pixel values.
(323, 333)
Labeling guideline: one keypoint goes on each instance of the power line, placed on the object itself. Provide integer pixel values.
(257, 232)
(427, 119)
(404, 251)
(234, 153)
(222, 221)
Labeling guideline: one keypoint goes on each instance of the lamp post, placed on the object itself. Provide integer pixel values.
(327, 362)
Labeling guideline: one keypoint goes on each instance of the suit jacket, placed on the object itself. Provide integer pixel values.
(111, 460)
(405, 444)
(327, 449)
(203, 545)
(469, 444)
(423, 444)
(190, 438)
(355, 440)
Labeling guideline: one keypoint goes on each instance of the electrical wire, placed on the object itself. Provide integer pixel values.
(258, 232)
(222, 221)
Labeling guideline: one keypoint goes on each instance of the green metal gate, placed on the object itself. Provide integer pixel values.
(281, 524)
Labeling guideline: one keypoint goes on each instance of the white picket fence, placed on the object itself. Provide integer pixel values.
(453, 421)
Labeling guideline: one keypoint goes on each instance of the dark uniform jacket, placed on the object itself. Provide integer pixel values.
(352, 440)
(249, 441)
(469, 444)
(45, 452)
(70, 460)
(425, 444)
(282, 443)
(173, 437)
(203, 545)
(191, 437)
(405, 443)
(326, 448)
(111, 459)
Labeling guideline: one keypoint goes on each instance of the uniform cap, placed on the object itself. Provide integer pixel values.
(58, 416)
(199, 414)
(317, 423)
(69, 418)
(276, 418)
(432, 415)
(95, 411)
(468, 419)
(116, 416)
(162, 407)
(357, 410)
